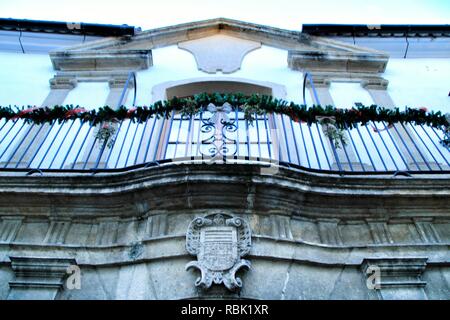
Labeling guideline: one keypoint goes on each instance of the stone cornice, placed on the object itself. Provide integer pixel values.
(305, 51)
(263, 247)
(325, 60)
(165, 174)
(171, 35)
(40, 273)
(175, 186)
(101, 60)
(398, 272)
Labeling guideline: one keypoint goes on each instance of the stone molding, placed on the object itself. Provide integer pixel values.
(398, 278)
(375, 83)
(368, 81)
(118, 230)
(399, 271)
(171, 35)
(10, 227)
(379, 230)
(93, 75)
(263, 247)
(63, 82)
(58, 229)
(426, 230)
(119, 82)
(329, 231)
(304, 51)
(159, 91)
(107, 60)
(319, 82)
(43, 276)
(153, 269)
(337, 62)
(399, 194)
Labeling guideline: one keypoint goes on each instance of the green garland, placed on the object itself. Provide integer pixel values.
(250, 105)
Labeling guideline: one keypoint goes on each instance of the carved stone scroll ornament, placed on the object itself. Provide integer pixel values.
(219, 241)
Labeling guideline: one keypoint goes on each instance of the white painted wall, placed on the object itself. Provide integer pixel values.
(24, 78)
(413, 82)
(420, 83)
(265, 64)
(89, 95)
(345, 95)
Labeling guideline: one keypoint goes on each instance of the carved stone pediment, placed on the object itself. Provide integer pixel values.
(219, 241)
(230, 38)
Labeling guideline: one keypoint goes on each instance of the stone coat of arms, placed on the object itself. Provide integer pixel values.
(219, 241)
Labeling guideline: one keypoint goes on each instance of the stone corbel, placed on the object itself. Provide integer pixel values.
(63, 82)
(38, 278)
(367, 81)
(379, 230)
(118, 82)
(395, 278)
(329, 231)
(426, 230)
(375, 83)
(319, 82)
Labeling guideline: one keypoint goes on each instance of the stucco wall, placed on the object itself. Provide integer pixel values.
(413, 82)
(127, 231)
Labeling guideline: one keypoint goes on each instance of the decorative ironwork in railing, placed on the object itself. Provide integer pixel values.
(222, 132)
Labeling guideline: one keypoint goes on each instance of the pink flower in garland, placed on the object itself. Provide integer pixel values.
(424, 109)
(74, 112)
(130, 112)
(24, 112)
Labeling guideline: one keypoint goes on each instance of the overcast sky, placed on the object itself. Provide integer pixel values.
(288, 14)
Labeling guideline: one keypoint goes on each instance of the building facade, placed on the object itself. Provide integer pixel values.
(226, 201)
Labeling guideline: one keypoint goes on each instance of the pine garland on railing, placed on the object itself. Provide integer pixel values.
(250, 105)
(446, 141)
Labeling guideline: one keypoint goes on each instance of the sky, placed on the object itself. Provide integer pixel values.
(289, 14)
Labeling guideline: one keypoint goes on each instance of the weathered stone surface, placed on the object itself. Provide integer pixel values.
(37, 278)
(340, 62)
(396, 278)
(219, 241)
(219, 52)
(6, 275)
(438, 282)
(311, 232)
(101, 60)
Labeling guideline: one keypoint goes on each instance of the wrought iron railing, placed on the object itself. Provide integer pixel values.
(222, 133)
